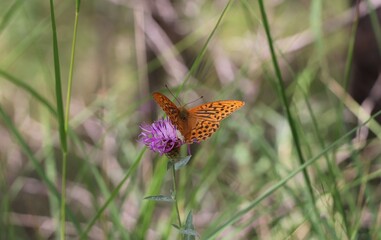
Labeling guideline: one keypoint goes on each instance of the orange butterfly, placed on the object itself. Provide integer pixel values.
(198, 123)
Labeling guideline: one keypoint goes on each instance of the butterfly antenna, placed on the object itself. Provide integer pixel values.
(194, 100)
(173, 94)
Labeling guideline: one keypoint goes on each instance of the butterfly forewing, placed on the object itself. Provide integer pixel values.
(216, 111)
(168, 107)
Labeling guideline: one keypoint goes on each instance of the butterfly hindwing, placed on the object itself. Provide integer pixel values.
(203, 130)
(208, 117)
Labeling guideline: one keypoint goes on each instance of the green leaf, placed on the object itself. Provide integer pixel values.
(189, 221)
(189, 231)
(160, 198)
(182, 163)
(190, 234)
(176, 226)
(58, 83)
(169, 164)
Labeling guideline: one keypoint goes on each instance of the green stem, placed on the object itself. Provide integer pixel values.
(70, 80)
(63, 118)
(63, 195)
(175, 193)
(349, 60)
(66, 124)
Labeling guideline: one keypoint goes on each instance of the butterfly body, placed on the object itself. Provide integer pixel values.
(183, 113)
(198, 123)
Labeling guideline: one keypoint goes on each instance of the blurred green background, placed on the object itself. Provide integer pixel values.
(240, 183)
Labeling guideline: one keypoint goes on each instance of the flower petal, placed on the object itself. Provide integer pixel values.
(161, 136)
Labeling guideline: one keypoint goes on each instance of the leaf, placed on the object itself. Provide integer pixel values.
(190, 234)
(183, 162)
(160, 198)
(176, 226)
(169, 164)
(189, 231)
(178, 164)
(189, 221)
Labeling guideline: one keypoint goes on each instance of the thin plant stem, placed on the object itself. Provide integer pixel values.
(175, 193)
(70, 79)
(63, 195)
(66, 123)
(351, 46)
(61, 120)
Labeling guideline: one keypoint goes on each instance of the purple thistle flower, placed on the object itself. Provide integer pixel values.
(161, 136)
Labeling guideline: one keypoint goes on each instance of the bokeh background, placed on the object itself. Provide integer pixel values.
(125, 50)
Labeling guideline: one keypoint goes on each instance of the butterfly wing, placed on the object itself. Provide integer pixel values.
(178, 116)
(205, 119)
(168, 106)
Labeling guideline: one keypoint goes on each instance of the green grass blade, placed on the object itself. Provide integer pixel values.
(351, 46)
(28, 89)
(39, 169)
(282, 93)
(58, 83)
(102, 185)
(9, 14)
(280, 184)
(113, 194)
(70, 80)
(200, 56)
(61, 120)
(147, 207)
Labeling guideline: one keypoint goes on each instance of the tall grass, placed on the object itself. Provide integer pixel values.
(284, 166)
